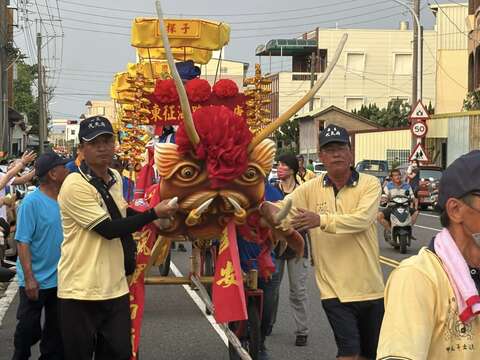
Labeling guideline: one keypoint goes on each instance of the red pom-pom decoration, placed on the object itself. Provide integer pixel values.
(224, 140)
(166, 91)
(198, 90)
(225, 88)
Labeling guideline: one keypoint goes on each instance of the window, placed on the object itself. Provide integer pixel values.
(402, 64)
(352, 103)
(72, 132)
(355, 62)
(397, 156)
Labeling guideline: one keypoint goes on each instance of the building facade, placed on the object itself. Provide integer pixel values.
(375, 67)
(452, 56)
(473, 23)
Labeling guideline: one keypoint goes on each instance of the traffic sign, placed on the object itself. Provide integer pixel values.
(419, 154)
(419, 112)
(419, 129)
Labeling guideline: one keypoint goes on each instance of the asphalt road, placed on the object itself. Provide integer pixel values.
(175, 327)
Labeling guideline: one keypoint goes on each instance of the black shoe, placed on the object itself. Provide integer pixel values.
(268, 332)
(263, 355)
(181, 248)
(301, 340)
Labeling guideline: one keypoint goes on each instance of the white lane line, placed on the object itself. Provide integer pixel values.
(8, 298)
(198, 301)
(430, 215)
(428, 228)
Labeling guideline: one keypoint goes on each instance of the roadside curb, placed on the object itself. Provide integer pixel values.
(8, 298)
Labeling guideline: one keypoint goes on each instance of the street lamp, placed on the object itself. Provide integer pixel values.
(419, 47)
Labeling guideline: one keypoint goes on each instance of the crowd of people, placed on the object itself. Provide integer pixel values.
(74, 244)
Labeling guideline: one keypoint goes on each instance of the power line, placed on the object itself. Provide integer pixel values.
(116, 26)
(130, 11)
(234, 22)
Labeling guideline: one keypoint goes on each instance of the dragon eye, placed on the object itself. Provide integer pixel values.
(187, 173)
(251, 174)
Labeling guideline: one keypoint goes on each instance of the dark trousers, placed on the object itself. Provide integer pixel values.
(270, 293)
(29, 328)
(101, 327)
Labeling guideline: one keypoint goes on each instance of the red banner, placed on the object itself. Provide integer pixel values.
(145, 241)
(171, 114)
(227, 289)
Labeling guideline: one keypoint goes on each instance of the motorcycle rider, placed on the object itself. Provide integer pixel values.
(396, 187)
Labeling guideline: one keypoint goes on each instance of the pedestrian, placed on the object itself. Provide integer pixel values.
(249, 252)
(303, 174)
(288, 167)
(96, 254)
(432, 299)
(39, 236)
(339, 210)
(127, 183)
(310, 165)
(11, 178)
(413, 176)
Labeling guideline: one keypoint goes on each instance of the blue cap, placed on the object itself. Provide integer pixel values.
(94, 126)
(333, 133)
(47, 162)
(460, 178)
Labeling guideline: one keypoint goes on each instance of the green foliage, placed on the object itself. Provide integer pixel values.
(24, 100)
(289, 134)
(472, 101)
(393, 116)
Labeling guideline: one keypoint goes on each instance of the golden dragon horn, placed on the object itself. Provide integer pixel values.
(282, 119)
(182, 94)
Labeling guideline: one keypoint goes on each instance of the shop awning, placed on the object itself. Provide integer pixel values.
(287, 47)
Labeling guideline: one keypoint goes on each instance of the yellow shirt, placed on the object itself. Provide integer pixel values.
(421, 315)
(309, 175)
(91, 267)
(345, 246)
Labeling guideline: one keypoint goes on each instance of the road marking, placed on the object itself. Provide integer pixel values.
(198, 301)
(430, 215)
(428, 228)
(389, 262)
(8, 298)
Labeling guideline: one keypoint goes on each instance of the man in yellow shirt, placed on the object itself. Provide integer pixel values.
(339, 208)
(92, 286)
(303, 174)
(426, 316)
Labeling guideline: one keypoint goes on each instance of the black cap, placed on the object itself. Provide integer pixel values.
(47, 162)
(94, 126)
(333, 133)
(460, 178)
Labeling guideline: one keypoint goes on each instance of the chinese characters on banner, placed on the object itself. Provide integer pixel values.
(227, 289)
(171, 114)
(145, 241)
(182, 29)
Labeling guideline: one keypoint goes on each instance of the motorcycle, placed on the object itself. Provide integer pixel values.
(400, 233)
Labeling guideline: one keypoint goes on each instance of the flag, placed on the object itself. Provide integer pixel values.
(227, 289)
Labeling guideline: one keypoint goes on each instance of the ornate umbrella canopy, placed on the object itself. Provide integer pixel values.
(193, 33)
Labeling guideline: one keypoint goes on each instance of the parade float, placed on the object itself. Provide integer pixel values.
(215, 169)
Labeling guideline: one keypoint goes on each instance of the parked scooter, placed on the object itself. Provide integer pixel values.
(400, 234)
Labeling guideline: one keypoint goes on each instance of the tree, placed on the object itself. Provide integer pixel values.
(288, 134)
(472, 101)
(24, 100)
(394, 115)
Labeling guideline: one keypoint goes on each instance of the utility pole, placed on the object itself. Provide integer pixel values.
(41, 96)
(4, 126)
(416, 59)
(313, 69)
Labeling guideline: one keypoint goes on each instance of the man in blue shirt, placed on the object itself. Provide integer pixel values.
(39, 236)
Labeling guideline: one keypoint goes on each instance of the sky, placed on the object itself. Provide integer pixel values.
(96, 34)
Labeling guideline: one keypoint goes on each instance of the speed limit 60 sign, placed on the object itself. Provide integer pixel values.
(419, 129)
